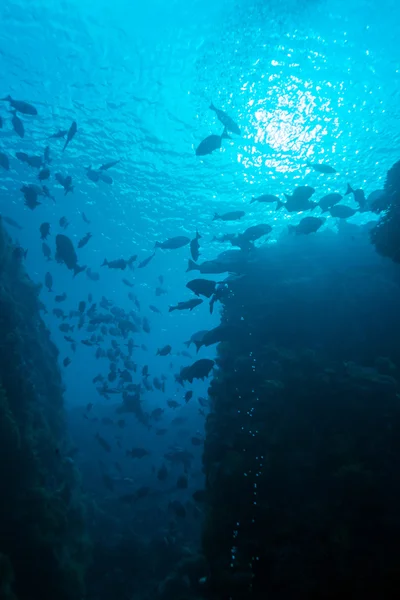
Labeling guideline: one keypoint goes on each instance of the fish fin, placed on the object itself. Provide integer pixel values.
(279, 205)
(191, 266)
(287, 196)
(157, 245)
(349, 190)
(78, 269)
(314, 206)
(216, 217)
(105, 263)
(225, 135)
(198, 346)
(252, 200)
(211, 107)
(171, 308)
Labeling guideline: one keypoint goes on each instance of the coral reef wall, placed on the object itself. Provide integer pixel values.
(43, 548)
(303, 440)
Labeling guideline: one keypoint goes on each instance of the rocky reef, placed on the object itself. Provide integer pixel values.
(303, 439)
(43, 547)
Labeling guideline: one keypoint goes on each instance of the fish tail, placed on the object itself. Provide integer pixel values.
(212, 107)
(279, 205)
(349, 190)
(78, 269)
(198, 236)
(187, 344)
(198, 346)
(157, 245)
(287, 196)
(225, 134)
(252, 200)
(171, 308)
(25, 253)
(105, 263)
(192, 266)
(314, 206)
(216, 217)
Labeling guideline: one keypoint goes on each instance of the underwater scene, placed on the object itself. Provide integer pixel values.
(199, 300)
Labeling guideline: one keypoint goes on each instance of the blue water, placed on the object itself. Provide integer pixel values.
(305, 81)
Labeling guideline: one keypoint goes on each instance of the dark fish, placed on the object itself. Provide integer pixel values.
(326, 169)
(226, 120)
(66, 362)
(18, 125)
(44, 230)
(173, 243)
(44, 174)
(221, 333)
(120, 263)
(82, 242)
(4, 162)
(84, 217)
(137, 452)
(307, 225)
(59, 314)
(265, 198)
(46, 155)
(155, 309)
(92, 175)
(196, 337)
(91, 275)
(66, 254)
(21, 106)
(328, 201)
(202, 287)
(146, 261)
(48, 280)
(211, 143)
(103, 443)
(194, 247)
(19, 253)
(46, 192)
(60, 134)
(66, 182)
(128, 283)
(11, 222)
(105, 178)
(188, 305)
(342, 211)
(82, 306)
(61, 297)
(230, 216)
(198, 370)
(71, 132)
(188, 396)
(109, 164)
(30, 194)
(146, 325)
(358, 195)
(299, 200)
(63, 222)
(164, 351)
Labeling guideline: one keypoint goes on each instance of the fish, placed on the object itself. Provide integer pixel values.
(198, 336)
(21, 106)
(83, 241)
(48, 280)
(63, 222)
(91, 275)
(84, 217)
(187, 305)
(146, 261)
(64, 327)
(137, 452)
(221, 333)
(105, 178)
(154, 309)
(202, 287)
(265, 198)
(164, 351)
(33, 161)
(341, 211)
(173, 243)
(82, 306)
(61, 133)
(198, 370)
(358, 195)
(320, 168)
(188, 396)
(71, 132)
(46, 192)
(120, 263)
(66, 254)
(30, 195)
(57, 312)
(44, 174)
(307, 225)
(92, 175)
(110, 164)
(44, 230)
(226, 120)
(103, 443)
(65, 182)
(4, 161)
(299, 200)
(19, 253)
(194, 247)
(211, 143)
(46, 156)
(160, 291)
(328, 201)
(234, 215)
(61, 297)
(128, 283)
(18, 125)
(173, 404)
(11, 222)
(66, 362)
